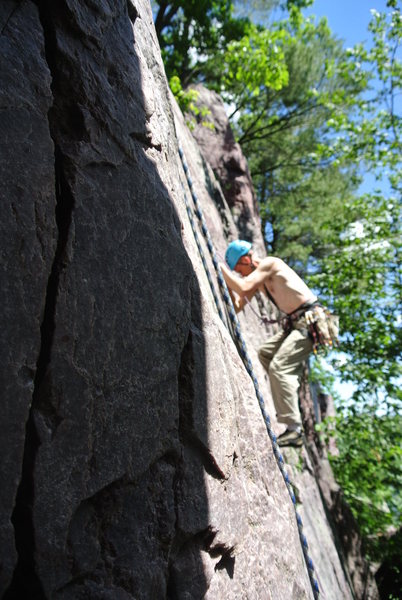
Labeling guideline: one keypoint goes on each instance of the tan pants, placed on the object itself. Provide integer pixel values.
(282, 356)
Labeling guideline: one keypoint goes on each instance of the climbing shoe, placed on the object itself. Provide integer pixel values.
(291, 438)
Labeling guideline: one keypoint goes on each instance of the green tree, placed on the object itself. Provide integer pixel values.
(363, 271)
(368, 467)
(282, 118)
(190, 31)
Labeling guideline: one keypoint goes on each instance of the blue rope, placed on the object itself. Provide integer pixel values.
(249, 367)
(204, 262)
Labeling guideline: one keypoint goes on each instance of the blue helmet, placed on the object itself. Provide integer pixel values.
(235, 251)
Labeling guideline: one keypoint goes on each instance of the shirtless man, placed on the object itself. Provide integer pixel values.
(282, 355)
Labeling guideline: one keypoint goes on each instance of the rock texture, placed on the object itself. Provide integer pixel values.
(28, 240)
(229, 164)
(135, 462)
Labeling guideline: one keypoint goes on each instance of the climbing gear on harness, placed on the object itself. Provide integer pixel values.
(323, 328)
(235, 251)
(321, 325)
(247, 363)
(301, 310)
(295, 319)
(292, 320)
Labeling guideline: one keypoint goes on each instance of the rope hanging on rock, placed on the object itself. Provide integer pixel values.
(249, 367)
(202, 255)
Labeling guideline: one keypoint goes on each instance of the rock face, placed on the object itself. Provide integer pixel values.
(28, 239)
(135, 461)
(227, 160)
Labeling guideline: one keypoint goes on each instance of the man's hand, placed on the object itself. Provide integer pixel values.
(238, 301)
(233, 282)
(239, 304)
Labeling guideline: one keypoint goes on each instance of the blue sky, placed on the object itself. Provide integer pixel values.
(348, 19)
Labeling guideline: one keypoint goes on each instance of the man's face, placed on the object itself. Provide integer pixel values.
(245, 265)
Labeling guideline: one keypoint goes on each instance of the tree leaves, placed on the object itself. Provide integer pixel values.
(254, 63)
(369, 469)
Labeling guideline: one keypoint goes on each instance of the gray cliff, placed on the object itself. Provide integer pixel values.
(135, 461)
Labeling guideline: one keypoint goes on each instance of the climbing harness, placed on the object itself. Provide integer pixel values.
(322, 326)
(247, 362)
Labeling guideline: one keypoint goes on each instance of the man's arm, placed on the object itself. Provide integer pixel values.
(234, 283)
(248, 286)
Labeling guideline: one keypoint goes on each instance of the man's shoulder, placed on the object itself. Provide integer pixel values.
(269, 263)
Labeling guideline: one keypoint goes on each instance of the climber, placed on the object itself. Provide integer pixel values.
(283, 354)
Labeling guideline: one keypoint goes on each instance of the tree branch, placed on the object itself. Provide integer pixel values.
(163, 18)
(159, 21)
(286, 121)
